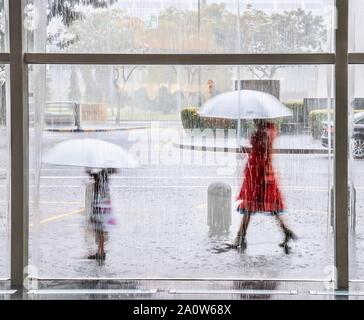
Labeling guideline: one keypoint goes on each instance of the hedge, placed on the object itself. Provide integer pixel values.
(316, 119)
(192, 120)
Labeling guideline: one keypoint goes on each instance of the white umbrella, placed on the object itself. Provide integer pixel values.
(91, 153)
(244, 104)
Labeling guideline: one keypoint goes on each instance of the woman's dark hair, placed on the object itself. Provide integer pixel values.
(263, 123)
(101, 181)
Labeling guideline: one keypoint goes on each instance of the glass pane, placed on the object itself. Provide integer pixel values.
(356, 155)
(356, 38)
(168, 218)
(171, 26)
(4, 177)
(4, 32)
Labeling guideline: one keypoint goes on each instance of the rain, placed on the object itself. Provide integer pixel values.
(140, 171)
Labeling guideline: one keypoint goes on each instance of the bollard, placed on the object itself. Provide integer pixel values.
(219, 207)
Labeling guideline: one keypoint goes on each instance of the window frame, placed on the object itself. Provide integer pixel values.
(19, 59)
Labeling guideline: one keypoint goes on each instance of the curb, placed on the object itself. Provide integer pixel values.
(248, 149)
(95, 130)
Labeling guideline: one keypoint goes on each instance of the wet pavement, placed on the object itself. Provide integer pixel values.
(161, 209)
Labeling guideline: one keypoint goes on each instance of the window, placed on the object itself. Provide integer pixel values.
(4, 177)
(3, 26)
(355, 164)
(134, 73)
(4, 148)
(356, 41)
(161, 206)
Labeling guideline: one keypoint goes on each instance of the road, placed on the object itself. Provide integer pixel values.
(161, 209)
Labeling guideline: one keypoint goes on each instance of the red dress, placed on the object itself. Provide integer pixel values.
(260, 191)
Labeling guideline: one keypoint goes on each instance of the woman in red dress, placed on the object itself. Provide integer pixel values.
(260, 191)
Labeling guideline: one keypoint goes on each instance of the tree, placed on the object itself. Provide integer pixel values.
(48, 87)
(141, 99)
(2, 25)
(294, 31)
(220, 30)
(69, 10)
(74, 91)
(91, 32)
(164, 101)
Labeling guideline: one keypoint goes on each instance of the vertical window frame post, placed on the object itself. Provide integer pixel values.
(19, 195)
(341, 196)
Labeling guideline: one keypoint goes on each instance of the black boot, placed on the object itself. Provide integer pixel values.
(288, 235)
(97, 256)
(236, 242)
(239, 243)
(243, 244)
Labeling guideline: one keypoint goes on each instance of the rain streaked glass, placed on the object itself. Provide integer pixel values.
(171, 26)
(162, 206)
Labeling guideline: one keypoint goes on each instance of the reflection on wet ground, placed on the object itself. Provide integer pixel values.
(183, 289)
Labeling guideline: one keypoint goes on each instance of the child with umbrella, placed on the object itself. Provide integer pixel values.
(94, 153)
(260, 191)
(101, 210)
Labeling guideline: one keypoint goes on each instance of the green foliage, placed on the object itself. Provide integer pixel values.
(141, 100)
(192, 120)
(120, 38)
(217, 32)
(297, 30)
(294, 103)
(164, 101)
(289, 32)
(68, 12)
(316, 119)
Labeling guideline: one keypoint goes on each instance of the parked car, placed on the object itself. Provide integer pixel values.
(357, 135)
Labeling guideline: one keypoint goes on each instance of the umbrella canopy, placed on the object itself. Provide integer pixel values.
(244, 104)
(91, 153)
